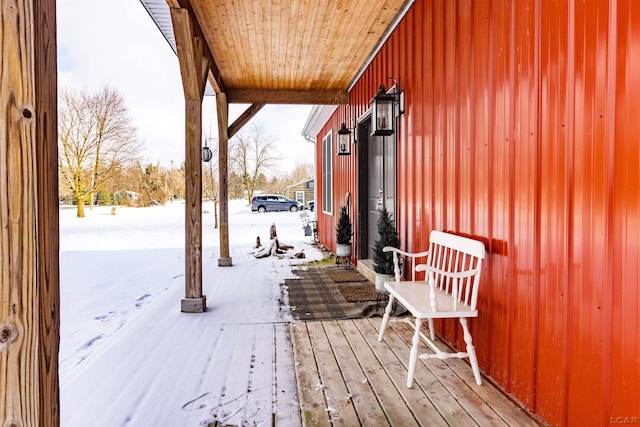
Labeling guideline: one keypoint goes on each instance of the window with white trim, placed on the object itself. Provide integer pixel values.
(327, 174)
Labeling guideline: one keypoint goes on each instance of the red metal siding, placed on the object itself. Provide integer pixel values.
(522, 128)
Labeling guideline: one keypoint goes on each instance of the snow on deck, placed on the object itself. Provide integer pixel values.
(129, 357)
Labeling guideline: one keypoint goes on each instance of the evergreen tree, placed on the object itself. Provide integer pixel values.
(388, 236)
(343, 229)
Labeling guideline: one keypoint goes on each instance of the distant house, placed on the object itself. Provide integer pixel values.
(302, 191)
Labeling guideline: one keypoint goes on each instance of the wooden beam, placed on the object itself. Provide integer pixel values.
(223, 177)
(284, 96)
(215, 79)
(19, 300)
(243, 119)
(48, 240)
(194, 68)
(194, 64)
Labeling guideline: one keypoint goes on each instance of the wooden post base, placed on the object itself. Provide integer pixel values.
(224, 262)
(193, 305)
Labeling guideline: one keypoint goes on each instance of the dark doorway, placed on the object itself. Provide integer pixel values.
(376, 183)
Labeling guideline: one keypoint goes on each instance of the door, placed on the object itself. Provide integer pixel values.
(377, 183)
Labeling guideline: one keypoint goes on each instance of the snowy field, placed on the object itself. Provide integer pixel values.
(128, 356)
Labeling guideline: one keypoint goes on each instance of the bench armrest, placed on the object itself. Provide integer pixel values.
(401, 252)
(396, 264)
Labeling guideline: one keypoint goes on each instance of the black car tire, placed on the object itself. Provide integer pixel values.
(262, 209)
(293, 209)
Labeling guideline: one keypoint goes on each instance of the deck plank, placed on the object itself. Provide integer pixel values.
(362, 395)
(312, 402)
(507, 410)
(260, 386)
(234, 395)
(287, 408)
(391, 401)
(475, 400)
(428, 400)
(338, 399)
(335, 357)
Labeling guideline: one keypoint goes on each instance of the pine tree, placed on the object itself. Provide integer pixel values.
(383, 261)
(343, 229)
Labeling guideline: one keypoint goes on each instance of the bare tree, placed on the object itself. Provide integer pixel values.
(96, 141)
(301, 171)
(253, 154)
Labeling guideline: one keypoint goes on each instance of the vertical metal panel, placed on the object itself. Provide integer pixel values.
(622, 333)
(554, 215)
(523, 166)
(586, 319)
(521, 128)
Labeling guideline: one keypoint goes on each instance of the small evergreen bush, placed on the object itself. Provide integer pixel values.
(383, 261)
(343, 229)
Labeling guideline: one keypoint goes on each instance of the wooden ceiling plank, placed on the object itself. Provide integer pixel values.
(287, 96)
(311, 23)
(284, 16)
(255, 15)
(216, 31)
(294, 52)
(271, 67)
(244, 119)
(322, 32)
(292, 44)
(365, 17)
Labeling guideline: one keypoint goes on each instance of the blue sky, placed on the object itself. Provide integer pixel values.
(115, 43)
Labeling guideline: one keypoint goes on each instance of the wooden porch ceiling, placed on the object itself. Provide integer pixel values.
(285, 51)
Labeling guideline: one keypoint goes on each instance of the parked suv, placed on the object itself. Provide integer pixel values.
(273, 202)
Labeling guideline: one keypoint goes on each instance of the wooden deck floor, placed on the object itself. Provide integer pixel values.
(346, 377)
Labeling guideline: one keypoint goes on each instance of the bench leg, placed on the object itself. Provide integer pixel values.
(413, 356)
(471, 351)
(385, 318)
(432, 331)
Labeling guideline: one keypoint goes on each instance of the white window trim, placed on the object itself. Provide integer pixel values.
(327, 173)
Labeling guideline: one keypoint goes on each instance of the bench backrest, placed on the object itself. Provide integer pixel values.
(456, 254)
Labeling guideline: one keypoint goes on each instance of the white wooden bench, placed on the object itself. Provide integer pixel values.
(449, 289)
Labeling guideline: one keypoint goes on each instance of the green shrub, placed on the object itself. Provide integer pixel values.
(388, 236)
(343, 229)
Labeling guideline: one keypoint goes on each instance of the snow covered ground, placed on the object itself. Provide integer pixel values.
(128, 356)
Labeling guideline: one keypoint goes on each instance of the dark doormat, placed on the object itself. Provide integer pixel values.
(344, 275)
(314, 295)
(353, 292)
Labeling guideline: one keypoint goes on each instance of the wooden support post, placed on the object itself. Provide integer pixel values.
(194, 68)
(48, 234)
(29, 282)
(223, 160)
(194, 300)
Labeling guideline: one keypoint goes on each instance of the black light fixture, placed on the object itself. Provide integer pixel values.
(207, 154)
(383, 109)
(344, 140)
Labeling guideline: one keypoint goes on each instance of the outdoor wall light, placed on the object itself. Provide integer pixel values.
(344, 140)
(207, 154)
(383, 109)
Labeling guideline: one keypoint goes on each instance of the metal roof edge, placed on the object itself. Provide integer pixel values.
(318, 117)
